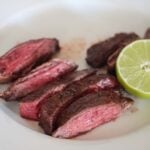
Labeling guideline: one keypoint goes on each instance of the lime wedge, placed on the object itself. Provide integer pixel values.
(133, 68)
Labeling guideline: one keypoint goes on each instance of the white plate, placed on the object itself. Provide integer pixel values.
(77, 24)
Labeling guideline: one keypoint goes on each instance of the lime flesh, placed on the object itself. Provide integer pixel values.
(133, 68)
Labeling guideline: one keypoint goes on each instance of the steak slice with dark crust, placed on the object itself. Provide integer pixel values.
(147, 34)
(31, 104)
(51, 110)
(89, 112)
(98, 54)
(111, 61)
(38, 77)
(25, 56)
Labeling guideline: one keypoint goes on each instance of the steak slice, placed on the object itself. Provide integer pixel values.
(147, 34)
(111, 61)
(39, 77)
(98, 53)
(51, 110)
(25, 56)
(89, 112)
(31, 104)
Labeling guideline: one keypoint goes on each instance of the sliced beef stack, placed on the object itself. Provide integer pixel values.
(25, 56)
(31, 104)
(38, 77)
(51, 110)
(90, 111)
(66, 102)
(107, 51)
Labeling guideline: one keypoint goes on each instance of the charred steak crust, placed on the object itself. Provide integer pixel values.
(98, 53)
(92, 100)
(104, 99)
(31, 104)
(64, 80)
(38, 77)
(25, 56)
(52, 108)
(55, 94)
(111, 61)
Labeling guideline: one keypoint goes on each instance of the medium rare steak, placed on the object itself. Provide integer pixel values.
(51, 110)
(147, 34)
(39, 77)
(25, 56)
(31, 104)
(90, 111)
(98, 54)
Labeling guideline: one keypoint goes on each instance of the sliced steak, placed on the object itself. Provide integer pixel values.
(39, 77)
(147, 34)
(25, 56)
(31, 104)
(51, 110)
(98, 54)
(90, 111)
(111, 61)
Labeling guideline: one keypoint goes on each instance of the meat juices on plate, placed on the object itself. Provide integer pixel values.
(37, 78)
(89, 112)
(51, 109)
(25, 56)
(31, 104)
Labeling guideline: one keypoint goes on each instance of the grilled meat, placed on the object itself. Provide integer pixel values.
(25, 56)
(31, 104)
(51, 110)
(38, 77)
(89, 112)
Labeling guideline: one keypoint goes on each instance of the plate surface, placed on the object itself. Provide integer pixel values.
(77, 24)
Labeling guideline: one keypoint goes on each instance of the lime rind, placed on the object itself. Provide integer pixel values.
(130, 75)
(147, 47)
(132, 89)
